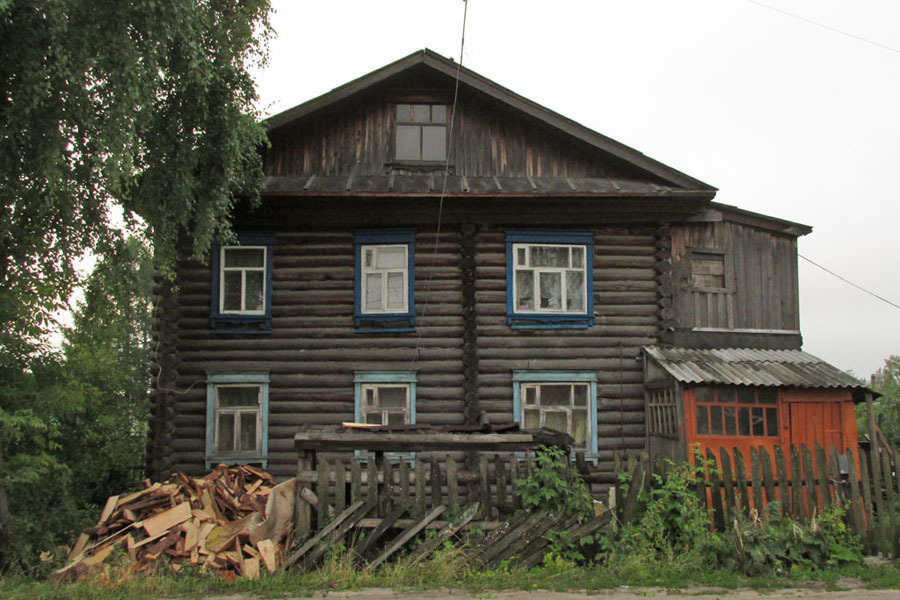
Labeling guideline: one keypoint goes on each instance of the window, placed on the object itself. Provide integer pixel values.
(549, 279)
(242, 282)
(385, 398)
(709, 270)
(421, 133)
(737, 411)
(561, 400)
(384, 299)
(237, 415)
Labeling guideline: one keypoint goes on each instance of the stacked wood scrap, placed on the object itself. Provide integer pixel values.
(232, 521)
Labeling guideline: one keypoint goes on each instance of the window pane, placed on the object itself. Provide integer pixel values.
(395, 291)
(404, 113)
(551, 290)
(702, 420)
(715, 418)
(581, 394)
(578, 257)
(524, 290)
(408, 142)
(248, 432)
(579, 427)
(392, 397)
(556, 395)
(396, 418)
(530, 396)
(245, 257)
(549, 256)
(575, 291)
(759, 425)
(744, 421)
(370, 397)
(558, 421)
(373, 291)
(725, 394)
(254, 292)
(704, 394)
(746, 395)
(730, 420)
(370, 257)
(421, 113)
(225, 439)
(238, 396)
(521, 253)
(392, 257)
(532, 419)
(766, 396)
(771, 421)
(231, 293)
(373, 417)
(434, 143)
(438, 113)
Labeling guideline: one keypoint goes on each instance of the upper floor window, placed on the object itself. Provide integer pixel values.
(384, 288)
(561, 400)
(237, 413)
(421, 132)
(242, 280)
(709, 270)
(549, 278)
(736, 411)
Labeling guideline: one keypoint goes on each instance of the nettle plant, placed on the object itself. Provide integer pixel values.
(551, 486)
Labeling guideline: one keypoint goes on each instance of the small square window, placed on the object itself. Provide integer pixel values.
(237, 418)
(561, 400)
(421, 132)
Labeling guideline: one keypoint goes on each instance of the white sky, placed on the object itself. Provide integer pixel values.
(784, 117)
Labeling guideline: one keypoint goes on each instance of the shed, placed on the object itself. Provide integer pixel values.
(742, 397)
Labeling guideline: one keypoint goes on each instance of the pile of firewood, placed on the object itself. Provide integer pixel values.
(232, 521)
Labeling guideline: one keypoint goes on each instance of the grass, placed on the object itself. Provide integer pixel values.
(448, 570)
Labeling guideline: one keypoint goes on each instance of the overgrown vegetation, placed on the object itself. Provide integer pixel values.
(885, 381)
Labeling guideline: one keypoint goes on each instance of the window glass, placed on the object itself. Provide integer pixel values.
(577, 256)
(746, 395)
(549, 256)
(581, 395)
(245, 257)
(225, 433)
(551, 290)
(730, 420)
(532, 419)
(546, 272)
(557, 420)
(716, 426)
(238, 396)
(575, 291)
(556, 395)
(525, 290)
(373, 291)
(408, 142)
(438, 113)
(766, 396)
(395, 291)
(744, 421)
(231, 290)
(580, 427)
(404, 112)
(771, 421)
(434, 143)
(702, 420)
(391, 257)
(560, 406)
(254, 290)
(421, 113)
(392, 397)
(759, 425)
(705, 394)
(248, 432)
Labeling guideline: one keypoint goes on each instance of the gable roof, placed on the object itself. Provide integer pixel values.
(472, 80)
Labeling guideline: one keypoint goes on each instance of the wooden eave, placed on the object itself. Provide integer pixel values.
(501, 94)
(725, 212)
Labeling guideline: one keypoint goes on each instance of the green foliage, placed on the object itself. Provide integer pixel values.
(780, 545)
(885, 381)
(671, 525)
(552, 485)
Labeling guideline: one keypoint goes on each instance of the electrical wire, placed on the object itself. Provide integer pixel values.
(847, 281)
(824, 26)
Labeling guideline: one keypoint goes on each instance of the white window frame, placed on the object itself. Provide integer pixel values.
(366, 270)
(252, 380)
(525, 379)
(537, 271)
(243, 270)
(376, 388)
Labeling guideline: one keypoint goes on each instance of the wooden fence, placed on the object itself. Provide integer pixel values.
(796, 481)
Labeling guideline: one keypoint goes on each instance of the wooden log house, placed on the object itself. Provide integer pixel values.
(433, 257)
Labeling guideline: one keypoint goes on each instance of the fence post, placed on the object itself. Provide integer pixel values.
(784, 491)
(768, 479)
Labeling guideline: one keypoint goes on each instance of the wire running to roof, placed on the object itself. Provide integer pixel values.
(847, 281)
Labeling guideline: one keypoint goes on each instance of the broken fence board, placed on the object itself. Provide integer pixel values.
(451, 529)
(404, 537)
(322, 533)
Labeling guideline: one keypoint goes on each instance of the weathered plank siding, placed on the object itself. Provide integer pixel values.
(625, 301)
(314, 349)
(764, 294)
(358, 138)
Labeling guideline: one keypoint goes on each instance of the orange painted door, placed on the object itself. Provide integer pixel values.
(817, 422)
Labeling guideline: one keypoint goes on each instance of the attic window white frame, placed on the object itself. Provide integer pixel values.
(412, 120)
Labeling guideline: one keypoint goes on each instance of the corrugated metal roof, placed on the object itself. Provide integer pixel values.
(748, 366)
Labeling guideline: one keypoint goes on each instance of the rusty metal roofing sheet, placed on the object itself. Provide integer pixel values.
(748, 366)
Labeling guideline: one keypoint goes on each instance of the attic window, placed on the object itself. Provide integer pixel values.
(421, 132)
(708, 270)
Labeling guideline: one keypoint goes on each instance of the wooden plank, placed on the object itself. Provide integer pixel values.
(322, 533)
(452, 528)
(634, 489)
(484, 484)
(740, 476)
(166, 520)
(452, 485)
(856, 507)
(809, 477)
(756, 480)
(784, 491)
(535, 545)
(108, 509)
(436, 485)
(313, 556)
(769, 481)
(619, 492)
(368, 542)
(799, 511)
(498, 534)
(890, 507)
(822, 477)
(731, 508)
(837, 481)
(419, 505)
(267, 553)
(404, 537)
(322, 483)
(715, 491)
(570, 537)
(372, 481)
(403, 485)
(870, 536)
(500, 478)
(355, 480)
(340, 486)
(519, 539)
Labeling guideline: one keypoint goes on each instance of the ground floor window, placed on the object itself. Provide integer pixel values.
(736, 411)
(237, 414)
(385, 397)
(561, 400)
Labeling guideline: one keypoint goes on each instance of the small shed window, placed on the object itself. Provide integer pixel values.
(729, 411)
(421, 133)
(663, 412)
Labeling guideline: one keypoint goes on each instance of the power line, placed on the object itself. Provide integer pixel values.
(824, 26)
(847, 281)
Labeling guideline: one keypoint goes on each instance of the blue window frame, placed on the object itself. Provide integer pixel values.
(549, 279)
(237, 418)
(384, 288)
(561, 400)
(241, 288)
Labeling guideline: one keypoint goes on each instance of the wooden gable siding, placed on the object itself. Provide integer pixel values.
(625, 303)
(764, 288)
(313, 349)
(487, 142)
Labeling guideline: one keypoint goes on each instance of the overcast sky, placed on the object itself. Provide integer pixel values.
(785, 117)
